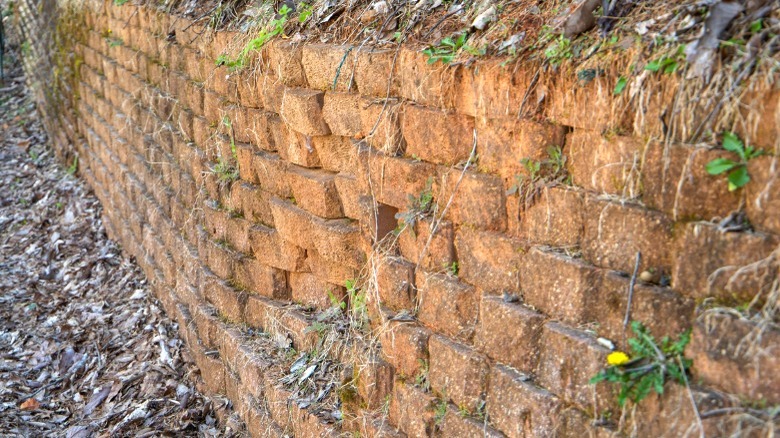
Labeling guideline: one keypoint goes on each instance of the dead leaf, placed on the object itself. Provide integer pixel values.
(30, 404)
(701, 53)
(581, 19)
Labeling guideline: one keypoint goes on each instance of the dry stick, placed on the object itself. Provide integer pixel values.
(690, 396)
(631, 289)
(438, 23)
(528, 91)
(338, 69)
(434, 223)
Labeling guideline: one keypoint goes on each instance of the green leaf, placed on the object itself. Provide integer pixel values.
(738, 178)
(757, 25)
(732, 143)
(671, 67)
(720, 165)
(620, 86)
(653, 66)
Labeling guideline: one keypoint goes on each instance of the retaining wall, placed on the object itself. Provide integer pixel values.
(485, 313)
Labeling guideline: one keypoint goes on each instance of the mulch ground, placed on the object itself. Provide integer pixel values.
(85, 350)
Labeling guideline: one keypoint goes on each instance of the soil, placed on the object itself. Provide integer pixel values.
(85, 350)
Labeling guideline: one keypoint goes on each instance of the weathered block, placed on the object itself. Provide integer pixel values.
(395, 283)
(615, 232)
(302, 111)
(457, 372)
(489, 260)
(405, 346)
(569, 360)
(509, 333)
(436, 136)
(707, 261)
(446, 305)
(737, 356)
(558, 285)
(519, 408)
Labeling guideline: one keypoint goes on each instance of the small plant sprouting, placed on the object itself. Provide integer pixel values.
(668, 64)
(274, 28)
(452, 268)
(620, 85)
(447, 49)
(305, 11)
(539, 174)
(335, 302)
(421, 379)
(648, 366)
(357, 300)
(225, 171)
(440, 412)
(559, 50)
(418, 207)
(738, 172)
(74, 166)
(120, 2)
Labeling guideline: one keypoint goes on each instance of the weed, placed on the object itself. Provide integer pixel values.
(290, 353)
(225, 171)
(738, 172)
(26, 49)
(418, 208)
(335, 302)
(74, 166)
(463, 411)
(115, 42)
(559, 50)
(120, 2)
(447, 49)
(318, 327)
(274, 28)
(357, 300)
(539, 174)
(620, 85)
(440, 412)
(668, 64)
(305, 11)
(480, 411)
(648, 367)
(452, 268)
(421, 379)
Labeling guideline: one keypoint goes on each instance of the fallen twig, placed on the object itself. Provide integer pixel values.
(631, 289)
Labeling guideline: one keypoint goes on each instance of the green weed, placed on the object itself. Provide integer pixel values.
(668, 64)
(452, 268)
(440, 412)
(274, 28)
(225, 171)
(620, 85)
(559, 50)
(648, 366)
(357, 299)
(421, 379)
(447, 49)
(539, 174)
(418, 207)
(74, 166)
(737, 170)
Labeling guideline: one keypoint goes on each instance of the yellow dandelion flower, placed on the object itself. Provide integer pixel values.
(617, 358)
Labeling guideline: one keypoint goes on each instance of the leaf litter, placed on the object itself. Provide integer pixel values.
(85, 349)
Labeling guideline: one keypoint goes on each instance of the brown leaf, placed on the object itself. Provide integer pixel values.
(30, 404)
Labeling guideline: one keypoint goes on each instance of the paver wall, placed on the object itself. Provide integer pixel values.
(487, 303)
